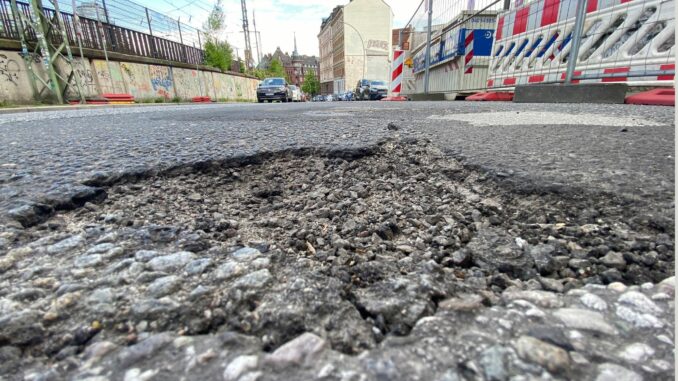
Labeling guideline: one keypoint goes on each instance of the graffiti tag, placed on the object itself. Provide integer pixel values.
(9, 69)
(378, 44)
(161, 82)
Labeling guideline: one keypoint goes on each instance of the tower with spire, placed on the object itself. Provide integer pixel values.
(295, 53)
(297, 63)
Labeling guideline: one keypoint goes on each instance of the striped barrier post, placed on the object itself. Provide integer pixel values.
(468, 57)
(397, 71)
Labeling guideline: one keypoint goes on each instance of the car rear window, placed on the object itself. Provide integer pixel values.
(274, 82)
(378, 83)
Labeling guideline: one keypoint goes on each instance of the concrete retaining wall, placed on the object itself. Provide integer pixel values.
(144, 81)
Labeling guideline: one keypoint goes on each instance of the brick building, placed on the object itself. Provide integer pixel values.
(296, 65)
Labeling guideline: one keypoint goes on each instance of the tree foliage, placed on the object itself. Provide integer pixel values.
(218, 52)
(259, 73)
(311, 84)
(275, 69)
(216, 21)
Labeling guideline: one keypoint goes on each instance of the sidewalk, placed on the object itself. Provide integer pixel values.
(22, 109)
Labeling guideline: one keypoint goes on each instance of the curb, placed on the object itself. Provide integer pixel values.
(28, 109)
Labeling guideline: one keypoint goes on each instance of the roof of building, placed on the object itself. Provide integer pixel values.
(332, 15)
(286, 59)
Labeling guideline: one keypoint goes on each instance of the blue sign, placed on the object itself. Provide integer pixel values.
(452, 44)
(482, 42)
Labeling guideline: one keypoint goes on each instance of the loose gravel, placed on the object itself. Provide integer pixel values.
(394, 262)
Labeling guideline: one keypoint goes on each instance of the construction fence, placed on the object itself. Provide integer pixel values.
(119, 26)
(466, 46)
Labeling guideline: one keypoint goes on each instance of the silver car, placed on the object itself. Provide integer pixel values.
(296, 93)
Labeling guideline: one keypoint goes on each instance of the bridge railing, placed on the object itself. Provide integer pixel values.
(118, 39)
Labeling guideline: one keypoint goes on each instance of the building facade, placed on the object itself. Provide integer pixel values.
(355, 43)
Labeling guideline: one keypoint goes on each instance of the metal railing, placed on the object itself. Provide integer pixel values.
(163, 43)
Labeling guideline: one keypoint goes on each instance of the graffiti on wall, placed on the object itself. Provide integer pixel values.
(9, 70)
(377, 44)
(187, 83)
(109, 76)
(161, 80)
(86, 78)
(137, 78)
(144, 82)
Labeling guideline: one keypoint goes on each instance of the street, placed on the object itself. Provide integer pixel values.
(338, 241)
(104, 144)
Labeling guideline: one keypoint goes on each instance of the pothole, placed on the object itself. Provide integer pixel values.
(351, 249)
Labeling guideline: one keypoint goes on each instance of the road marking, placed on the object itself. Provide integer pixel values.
(513, 118)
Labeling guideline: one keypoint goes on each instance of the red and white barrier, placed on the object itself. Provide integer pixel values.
(397, 71)
(533, 43)
(468, 57)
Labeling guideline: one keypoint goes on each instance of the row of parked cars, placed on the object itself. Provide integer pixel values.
(277, 89)
(365, 90)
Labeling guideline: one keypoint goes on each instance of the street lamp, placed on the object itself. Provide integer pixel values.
(363, 43)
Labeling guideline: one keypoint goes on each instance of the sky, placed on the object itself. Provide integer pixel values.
(276, 20)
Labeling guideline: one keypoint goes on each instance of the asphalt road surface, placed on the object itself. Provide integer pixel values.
(620, 149)
(371, 241)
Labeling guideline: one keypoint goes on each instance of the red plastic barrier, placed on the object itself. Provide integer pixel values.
(202, 100)
(491, 97)
(657, 97)
(119, 98)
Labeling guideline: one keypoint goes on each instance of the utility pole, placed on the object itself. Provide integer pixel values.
(256, 36)
(428, 44)
(246, 31)
(576, 41)
(103, 43)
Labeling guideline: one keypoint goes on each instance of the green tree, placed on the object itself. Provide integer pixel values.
(218, 53)
(216, 21)
(275, 69)
(311, 84)
(259, 73)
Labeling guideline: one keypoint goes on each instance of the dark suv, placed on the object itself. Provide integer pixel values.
(274, 89)
(371, 90)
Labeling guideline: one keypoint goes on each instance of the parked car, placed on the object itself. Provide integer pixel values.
(274, 89)
(296, 93)
(371, 90)
(348, 96)
(329, 98)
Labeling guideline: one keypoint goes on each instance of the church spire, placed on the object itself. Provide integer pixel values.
(295, 53)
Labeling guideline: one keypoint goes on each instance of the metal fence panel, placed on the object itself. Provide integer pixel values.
(629, 41)
(462, 34)
(622, 41)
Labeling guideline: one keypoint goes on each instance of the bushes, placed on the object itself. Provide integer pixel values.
(218, 54)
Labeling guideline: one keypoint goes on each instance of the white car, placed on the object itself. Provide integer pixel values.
(296, 93)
